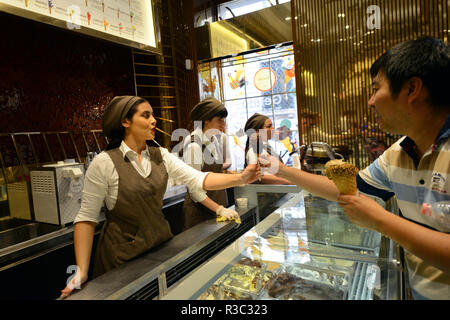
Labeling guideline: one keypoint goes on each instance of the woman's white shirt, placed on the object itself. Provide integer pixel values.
(101, 183)
(252, 157)
(193, 155)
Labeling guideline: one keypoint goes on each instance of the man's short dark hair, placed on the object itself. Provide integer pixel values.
(425, 58)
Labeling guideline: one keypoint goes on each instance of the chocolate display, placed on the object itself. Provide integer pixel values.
(249, 279)
(286, 286)
(250, 262)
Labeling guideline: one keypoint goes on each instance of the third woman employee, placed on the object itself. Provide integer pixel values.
(259, 130)
(204, 150)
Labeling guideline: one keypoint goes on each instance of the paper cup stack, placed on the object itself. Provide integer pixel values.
(343, 175)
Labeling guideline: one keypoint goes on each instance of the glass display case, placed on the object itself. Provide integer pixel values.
(307, 249)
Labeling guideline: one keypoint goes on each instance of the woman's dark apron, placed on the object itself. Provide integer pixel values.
(195, 212)
(136, 223)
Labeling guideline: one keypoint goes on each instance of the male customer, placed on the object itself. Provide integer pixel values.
(411, 97)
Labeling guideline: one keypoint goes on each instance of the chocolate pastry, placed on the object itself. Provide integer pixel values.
(287, 286)
(249, 262)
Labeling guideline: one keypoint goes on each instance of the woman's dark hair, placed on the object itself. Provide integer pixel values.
(118, 134)
(221, 114)
(425, 58)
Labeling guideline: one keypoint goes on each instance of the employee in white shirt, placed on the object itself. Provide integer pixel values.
(259, 130)
(205, 151)
(131, 179)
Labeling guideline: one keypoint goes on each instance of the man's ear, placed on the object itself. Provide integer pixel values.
(415, 88)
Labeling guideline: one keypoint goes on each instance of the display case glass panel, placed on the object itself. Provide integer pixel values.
(307, 250)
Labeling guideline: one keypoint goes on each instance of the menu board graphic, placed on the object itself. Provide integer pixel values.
(126, 19)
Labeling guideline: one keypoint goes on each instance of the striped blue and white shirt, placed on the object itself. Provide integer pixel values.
(415, 181)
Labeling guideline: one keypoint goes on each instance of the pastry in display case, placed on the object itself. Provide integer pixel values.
(286, 286)
(243, 281)
(250, 280)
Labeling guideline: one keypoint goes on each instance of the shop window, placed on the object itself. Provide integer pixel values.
(262, 82)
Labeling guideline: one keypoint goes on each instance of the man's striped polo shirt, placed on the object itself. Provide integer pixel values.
(416, 181)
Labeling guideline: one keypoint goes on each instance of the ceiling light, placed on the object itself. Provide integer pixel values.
(287, 18)
(347, 27)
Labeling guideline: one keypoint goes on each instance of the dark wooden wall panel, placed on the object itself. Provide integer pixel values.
(57, 80)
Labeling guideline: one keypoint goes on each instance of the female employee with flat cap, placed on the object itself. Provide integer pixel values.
(259, 129)
(131, 179)
(205, 151)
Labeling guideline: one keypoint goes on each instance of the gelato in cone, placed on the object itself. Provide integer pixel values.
(343, 175)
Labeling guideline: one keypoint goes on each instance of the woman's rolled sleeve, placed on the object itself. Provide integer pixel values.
(94, 192)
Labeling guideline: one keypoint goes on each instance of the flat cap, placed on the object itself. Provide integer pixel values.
(207, 109)
(115, 112)
(255, 122)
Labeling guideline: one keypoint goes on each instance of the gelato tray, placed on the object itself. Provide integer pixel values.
(305, 282)
(243, 281)
(250, 280)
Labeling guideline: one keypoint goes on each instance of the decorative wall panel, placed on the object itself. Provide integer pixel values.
(336, 42)
(54, 80)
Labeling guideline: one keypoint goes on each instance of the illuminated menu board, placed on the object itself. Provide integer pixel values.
(129, 22)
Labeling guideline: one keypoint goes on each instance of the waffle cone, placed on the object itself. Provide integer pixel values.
(343, 175)
(346, 185)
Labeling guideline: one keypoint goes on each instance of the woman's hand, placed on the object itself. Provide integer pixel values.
(251, 173)
(76, 282)
(227, 213)
(363, 211)
(226, 165)
(274, 165)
